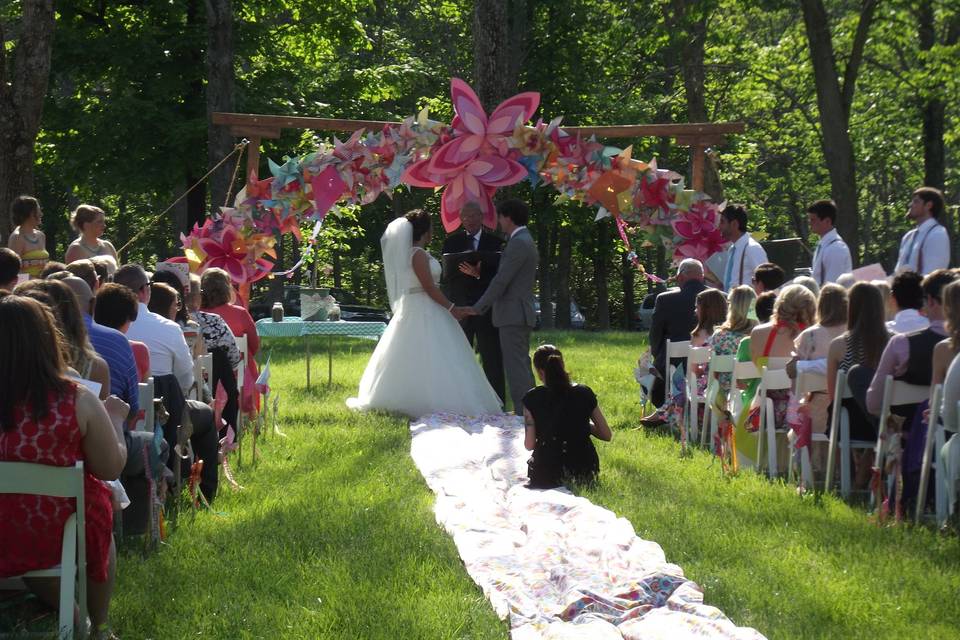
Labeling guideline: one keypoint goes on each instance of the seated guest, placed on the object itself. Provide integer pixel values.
(887, 294)
(812, 346)
(863, 343)
(768, 277)
(725, 341)
(809, 283)
(189, 326)
(793, 312)
(9, 269)
(764, 306)
(907, 357)
(80, 355)
(949, 455)
(222, 346)
(217, 297)
(907, 299)
(674, 317)
(172, 370)
(51, 267)
(46, 418)
(116, 307)
(26, 240)
(111, 345)
(106, 266)
(85, 270)
(559, 418)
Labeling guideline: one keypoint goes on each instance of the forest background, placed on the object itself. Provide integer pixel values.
(108, 102)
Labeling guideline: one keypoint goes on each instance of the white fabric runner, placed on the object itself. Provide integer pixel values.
(558, 566)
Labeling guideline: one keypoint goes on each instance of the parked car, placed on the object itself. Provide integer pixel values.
(350, 308)
(643, 313)
(577, 321)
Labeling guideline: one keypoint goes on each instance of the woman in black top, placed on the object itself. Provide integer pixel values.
(560, 417)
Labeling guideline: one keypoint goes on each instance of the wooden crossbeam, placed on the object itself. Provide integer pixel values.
(696, 135)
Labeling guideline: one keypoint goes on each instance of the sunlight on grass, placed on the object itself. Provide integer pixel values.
(334, 535)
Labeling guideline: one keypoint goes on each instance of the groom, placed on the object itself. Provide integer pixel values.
(510, 293)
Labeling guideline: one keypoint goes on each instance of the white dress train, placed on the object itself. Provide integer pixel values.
(423, 364)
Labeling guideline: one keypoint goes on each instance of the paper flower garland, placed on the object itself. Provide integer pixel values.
(469, 159)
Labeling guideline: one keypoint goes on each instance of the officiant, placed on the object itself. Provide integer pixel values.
(465, 279)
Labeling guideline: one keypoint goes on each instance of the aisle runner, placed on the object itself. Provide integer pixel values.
(557, 565)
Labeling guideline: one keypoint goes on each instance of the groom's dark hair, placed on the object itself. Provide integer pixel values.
(420, 220)
(516, 210)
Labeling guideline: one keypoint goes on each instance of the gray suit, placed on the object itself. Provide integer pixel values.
(510, 293)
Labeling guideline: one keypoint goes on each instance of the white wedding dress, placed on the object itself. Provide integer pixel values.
(423, 364)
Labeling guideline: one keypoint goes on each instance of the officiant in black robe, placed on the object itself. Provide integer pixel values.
(465, 289)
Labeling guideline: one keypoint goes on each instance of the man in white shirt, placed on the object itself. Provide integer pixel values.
(744, 254)
(926, 248)
(169, 353)
(906, 294)
(831, 257)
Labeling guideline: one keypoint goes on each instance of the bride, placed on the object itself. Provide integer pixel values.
(423, 363)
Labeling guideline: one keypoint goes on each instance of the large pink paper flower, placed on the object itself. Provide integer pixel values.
(478, 159)
(697, 232)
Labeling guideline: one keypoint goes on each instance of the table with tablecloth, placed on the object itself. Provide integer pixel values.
(294, 327)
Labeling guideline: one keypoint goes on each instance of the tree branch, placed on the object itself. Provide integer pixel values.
(867, 12)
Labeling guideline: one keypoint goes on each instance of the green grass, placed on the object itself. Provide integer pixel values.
(334, 536)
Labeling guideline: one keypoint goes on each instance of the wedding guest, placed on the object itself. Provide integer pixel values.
(27, 240)
(831, 256)
(116, 307)
(764, 306)
(887, 294)
(767, 277)
(745, 254)
(90, 223)
(863, 342)
(926, 248)
(906, 300)
(559, 418)
(674, 317)
(217, 297)
(46, 418)
(9, 268)
(189, 326)
(106, 266)
(809, 283)
(85, 270)
(80, 355)
(725, 341)
(52, 267)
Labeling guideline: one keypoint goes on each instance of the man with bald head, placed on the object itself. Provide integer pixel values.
(674, 317)
(111, 345)
(466, 286)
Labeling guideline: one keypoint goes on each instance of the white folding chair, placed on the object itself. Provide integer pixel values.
(808, 382)
(695, 356)
(933, 444)
(145, 420)
(895, 393)
(675, 350)
(718, 364)
(62, 482)
(840, 434)
(742, 372)
(770, 380)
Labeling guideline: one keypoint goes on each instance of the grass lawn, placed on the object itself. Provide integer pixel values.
(334, 536)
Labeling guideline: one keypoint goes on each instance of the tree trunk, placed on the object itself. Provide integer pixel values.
(220, 95)
(833, 101)
(545, 269)
(688, 19)
(600, 275)
(21, 101)
(493, 68)
(563, 279)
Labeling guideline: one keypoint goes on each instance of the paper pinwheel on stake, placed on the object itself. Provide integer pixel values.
(479, 158)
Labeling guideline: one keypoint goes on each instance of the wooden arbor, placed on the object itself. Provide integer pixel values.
(697, 136)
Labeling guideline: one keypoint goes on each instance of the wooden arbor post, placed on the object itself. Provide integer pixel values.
(697, 136)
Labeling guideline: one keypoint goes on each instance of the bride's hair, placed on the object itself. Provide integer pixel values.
(420, 220)
(548, 359)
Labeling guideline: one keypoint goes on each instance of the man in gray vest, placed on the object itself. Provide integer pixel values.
(510, 294)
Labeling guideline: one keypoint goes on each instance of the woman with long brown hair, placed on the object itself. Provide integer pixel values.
(560, 417)
(45, 418)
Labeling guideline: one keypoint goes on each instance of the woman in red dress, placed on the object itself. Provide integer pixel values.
(45, 418)
(217, 292)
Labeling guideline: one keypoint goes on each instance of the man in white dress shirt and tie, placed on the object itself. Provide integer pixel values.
(926, 248)
(745, 254)
(831, 257)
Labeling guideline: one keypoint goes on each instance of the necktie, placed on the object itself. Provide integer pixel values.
(476, 243)
(728, 279)
(817, 267)
(913, 241)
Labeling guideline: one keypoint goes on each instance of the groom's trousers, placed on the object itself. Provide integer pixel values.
(515, 346)
(481, 332)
